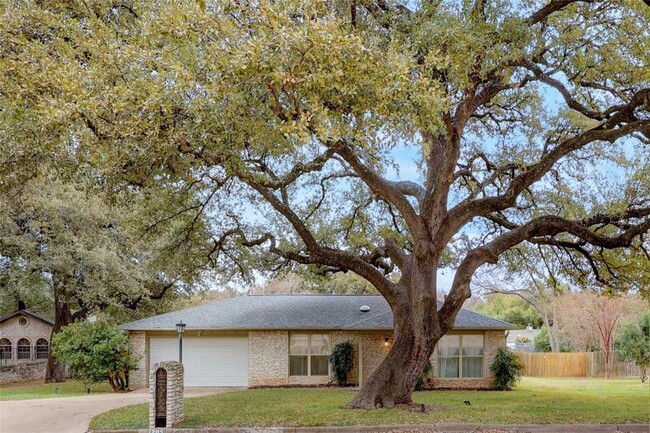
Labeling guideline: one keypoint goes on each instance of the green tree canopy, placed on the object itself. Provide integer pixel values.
(510, 308)
(633, 343)
(67, 243)
(287, 121)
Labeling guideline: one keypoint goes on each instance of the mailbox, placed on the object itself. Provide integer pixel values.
(166, 394)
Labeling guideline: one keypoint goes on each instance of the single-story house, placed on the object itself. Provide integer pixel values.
(280, 340)
(24, 337)
(522, 340)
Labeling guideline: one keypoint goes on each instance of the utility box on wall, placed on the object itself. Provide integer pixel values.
(166, 394)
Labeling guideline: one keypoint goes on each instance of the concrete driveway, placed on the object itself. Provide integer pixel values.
(73, 414)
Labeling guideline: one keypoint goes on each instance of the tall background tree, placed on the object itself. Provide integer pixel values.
(527, 122)
(66, 246)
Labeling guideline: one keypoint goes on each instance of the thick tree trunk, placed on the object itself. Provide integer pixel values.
(394, 380)
(62, 316)
(416, 332)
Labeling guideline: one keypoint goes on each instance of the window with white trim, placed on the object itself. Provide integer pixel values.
(460, 356)
(308, 354)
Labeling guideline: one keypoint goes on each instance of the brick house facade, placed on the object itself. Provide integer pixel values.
(297, 354)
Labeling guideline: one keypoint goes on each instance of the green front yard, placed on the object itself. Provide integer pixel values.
(535, 401)
(38, 389)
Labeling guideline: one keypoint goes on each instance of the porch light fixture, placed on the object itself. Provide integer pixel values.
(180, 328)
(386, 341)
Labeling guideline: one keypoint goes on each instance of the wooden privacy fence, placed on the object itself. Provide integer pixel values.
(554, 364)
(573, 364)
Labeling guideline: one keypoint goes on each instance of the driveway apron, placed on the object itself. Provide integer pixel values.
(72, 414)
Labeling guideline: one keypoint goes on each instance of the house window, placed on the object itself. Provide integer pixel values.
(24, 349)
(5, 349)
(308, 354)
(42, 348)
(460, 356)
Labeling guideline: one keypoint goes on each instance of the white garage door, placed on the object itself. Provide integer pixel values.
(208, 361)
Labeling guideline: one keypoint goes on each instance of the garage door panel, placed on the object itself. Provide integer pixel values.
(208, 361)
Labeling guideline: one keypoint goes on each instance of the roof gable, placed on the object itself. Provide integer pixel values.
(26, 313)
(278, 312)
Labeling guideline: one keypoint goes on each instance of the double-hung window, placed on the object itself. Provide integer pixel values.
(308, 354)
(460, 356)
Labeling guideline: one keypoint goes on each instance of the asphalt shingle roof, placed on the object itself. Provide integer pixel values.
(253, 312)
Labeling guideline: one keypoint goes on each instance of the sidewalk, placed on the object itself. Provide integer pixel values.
(422, 428)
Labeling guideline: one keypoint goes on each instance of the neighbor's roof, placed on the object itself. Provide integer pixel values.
(26, 313)
(274, 312)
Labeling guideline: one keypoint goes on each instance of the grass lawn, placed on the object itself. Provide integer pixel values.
(38, 389)
(534, 401)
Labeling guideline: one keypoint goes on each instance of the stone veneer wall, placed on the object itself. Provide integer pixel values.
(175, 407)
(268, 358)
(22, 372)
(32, 331)
(138, 348)
(492, 341)
(268, 361)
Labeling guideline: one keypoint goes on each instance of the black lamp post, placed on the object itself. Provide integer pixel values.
(180, 328)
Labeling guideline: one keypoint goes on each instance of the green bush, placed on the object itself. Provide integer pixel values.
(633, 343)
(507, 369)
(95, 352)
(342, 362)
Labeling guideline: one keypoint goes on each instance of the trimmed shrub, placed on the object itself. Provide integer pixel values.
(507, 369)
(342, 360)
(95, 352)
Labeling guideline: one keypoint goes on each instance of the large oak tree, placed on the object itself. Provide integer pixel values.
(287, 119)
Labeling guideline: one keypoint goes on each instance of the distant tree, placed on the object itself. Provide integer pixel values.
(633, 343)
(510, 308)
(347, 283)
(598, 316)
(542, 342)
(284, 284)
(96, 352)
(527, 272)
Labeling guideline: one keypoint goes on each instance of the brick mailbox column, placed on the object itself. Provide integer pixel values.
(166, 394)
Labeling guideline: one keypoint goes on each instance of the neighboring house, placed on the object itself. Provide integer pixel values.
(280, 340)
(24, 338)
(522, 339)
